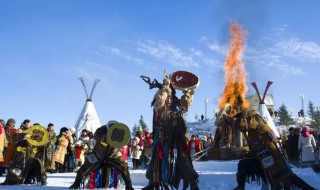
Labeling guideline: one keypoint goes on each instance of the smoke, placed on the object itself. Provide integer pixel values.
(252, 14)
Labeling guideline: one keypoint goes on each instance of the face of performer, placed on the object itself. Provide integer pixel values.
(84, 133)
(228, 110)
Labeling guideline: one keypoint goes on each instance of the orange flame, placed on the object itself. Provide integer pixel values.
(235, 75)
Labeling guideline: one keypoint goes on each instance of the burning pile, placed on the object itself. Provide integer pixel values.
(235, 75)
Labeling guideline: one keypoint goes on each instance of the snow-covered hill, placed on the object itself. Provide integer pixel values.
(205, 127)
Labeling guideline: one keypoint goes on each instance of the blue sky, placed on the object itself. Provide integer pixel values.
(46, 45)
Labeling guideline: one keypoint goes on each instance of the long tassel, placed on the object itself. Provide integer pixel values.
(92, 180)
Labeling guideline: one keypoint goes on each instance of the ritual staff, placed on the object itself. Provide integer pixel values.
(170, 160)
(103, 156)
(266, 159)
(27, 167)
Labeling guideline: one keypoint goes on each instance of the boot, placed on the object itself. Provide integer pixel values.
(76, 184)
(129, 185)
(239, 188)
(194, 185)
(43, 180)
(185, 185)
(150, 187)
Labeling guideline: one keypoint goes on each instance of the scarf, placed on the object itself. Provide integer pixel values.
(305, 133)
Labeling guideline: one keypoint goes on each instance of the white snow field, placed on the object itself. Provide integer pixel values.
(214, 175)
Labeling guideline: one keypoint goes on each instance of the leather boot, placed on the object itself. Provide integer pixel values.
(128, 185)
(194, 185)
(76, 184)
(43, 180)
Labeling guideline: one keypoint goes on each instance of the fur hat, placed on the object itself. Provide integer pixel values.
(204, 138)
(63, 130)
(11, 120)
(72, 129)
(136, 139)
(305, 128)
(79, 143)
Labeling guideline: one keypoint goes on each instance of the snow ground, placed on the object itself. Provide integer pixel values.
(214, 175)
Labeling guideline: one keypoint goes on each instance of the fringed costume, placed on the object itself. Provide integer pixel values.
(97, 163)
(267, 159)
(170, 161)
(27, 167)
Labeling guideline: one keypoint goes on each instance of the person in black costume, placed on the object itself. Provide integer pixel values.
(102, 157)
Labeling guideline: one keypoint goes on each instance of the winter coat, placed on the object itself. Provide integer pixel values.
(141, 140)
(3, 142)
(124, 152)
(61, 150)
(23, 155)
(294, 150)
(11, 146)
(147, 148)
(49, 150)
(136, 149)
(307, 146)
(194, 146)
(80, 148)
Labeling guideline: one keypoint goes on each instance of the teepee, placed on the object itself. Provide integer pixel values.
(264, 113)
(88, 118)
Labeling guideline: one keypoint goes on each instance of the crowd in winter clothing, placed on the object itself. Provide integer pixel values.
(62, 152)
(141, 149)
(302, 146)
(198, 147)
(65, 153)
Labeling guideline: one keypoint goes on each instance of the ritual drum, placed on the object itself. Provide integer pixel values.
(184, 80)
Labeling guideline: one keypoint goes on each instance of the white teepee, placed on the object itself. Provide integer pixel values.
(264, 113)
(88, 118)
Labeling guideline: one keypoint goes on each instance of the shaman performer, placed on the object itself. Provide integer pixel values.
(224, 123)
(266, 158)
(27, 167)
(171, 159)
(105, 156)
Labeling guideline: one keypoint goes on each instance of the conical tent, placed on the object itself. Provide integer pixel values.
(263, 110)
(88, 118)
